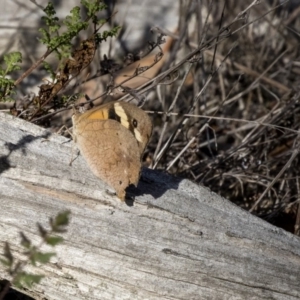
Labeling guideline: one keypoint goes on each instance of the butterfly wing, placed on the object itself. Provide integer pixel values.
(111, 151)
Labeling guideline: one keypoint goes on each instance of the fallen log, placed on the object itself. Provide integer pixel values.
(176, 240)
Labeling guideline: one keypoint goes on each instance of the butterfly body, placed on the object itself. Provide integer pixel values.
(112, 139)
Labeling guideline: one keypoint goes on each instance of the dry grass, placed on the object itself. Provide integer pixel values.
(233, 124)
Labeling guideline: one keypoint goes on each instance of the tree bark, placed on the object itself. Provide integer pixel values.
(176, 240)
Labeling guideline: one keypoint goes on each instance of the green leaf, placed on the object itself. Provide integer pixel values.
(12, 60)
(62, 218)
(93, 6)
(45, 39)
(101, 21)
(53, 28)
(43, 257)
(49, 10)
(26, 280)
(6, 86)
(70, 21)
(53, 240)
(105, 34)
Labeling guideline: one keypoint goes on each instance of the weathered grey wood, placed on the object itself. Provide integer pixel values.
(177, 241)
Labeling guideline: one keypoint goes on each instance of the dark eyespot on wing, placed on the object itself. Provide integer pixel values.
(134, 123)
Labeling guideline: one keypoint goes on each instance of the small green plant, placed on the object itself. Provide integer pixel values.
(52, 38)
(10, 64)
(16, 268)
(60, 42)
(58, 35)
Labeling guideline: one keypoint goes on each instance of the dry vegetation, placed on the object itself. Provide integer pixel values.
(226, 105)
(242, 90)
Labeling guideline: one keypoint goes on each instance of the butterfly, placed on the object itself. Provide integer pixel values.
(112, 138)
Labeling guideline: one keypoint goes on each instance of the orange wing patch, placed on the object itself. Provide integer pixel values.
(99, 115)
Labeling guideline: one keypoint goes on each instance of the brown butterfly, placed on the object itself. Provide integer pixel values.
(112, 138)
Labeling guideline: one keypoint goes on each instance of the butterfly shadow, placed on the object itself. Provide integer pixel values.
(21, 145)
(154, 183)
